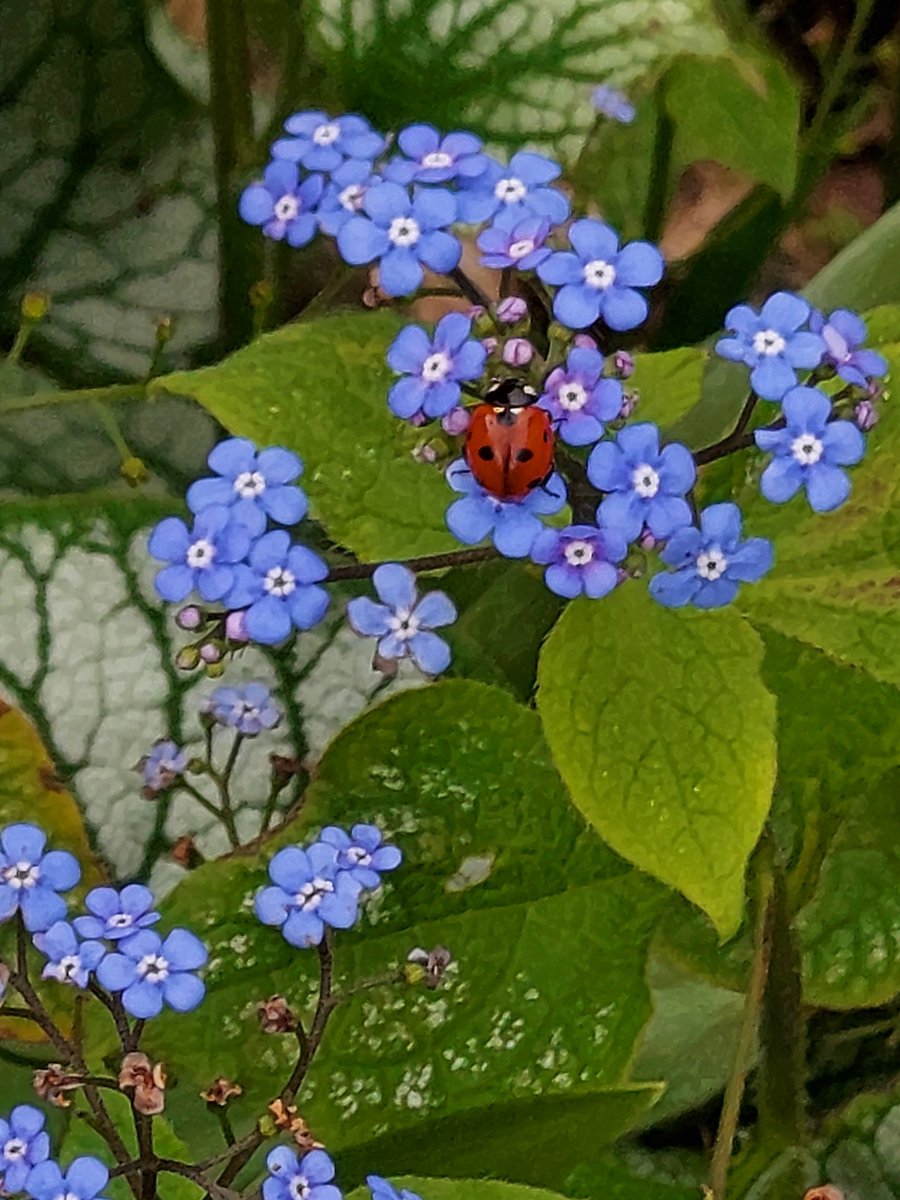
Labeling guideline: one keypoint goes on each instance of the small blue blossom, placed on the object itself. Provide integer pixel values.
(84, 1179)
(844, 334)
(279, 589)
(433, 159)
(282, 205)
(580, 559)
(402, 233)
(433, 367)
(613, 104)
(580, 399)
(68, 959)
(309, 892)
(772, 343)
(647, 486)
(710, 562)
(23, 1144)
(151, 971)
(248, 709)
(382, 1189)
(321, 143)
(344, 196)
(201, 558)
(402, 622)
(307, 1178)
(30, 878)
(598, 279)
(162, 766)
(252, 485)
(115, 915)
(520, 188)
(809, 452)
(361, 852)
(512, 524)
(515, 241)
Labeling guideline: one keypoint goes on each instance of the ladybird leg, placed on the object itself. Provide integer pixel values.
(543, 486)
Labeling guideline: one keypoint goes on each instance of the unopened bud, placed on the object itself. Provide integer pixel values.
(559, 333)
(211, 652)
(630, 400)
(418, 419)
(425, 453)
(236, 626)
(134, 471)
(275, 1016)
(261, 294)
(518, 352)
(413, 973)
(283, 770)
(185, 853)
(215, 670)
(456, 421)
(164, 328)
(647, 541)
(490, 344)
(623, 364)
(35, 306)
(874, 389)
(512, 309)
(221, 1091)
(187, 658)
(433, 965)
(476, 311)
(189, 618)
(866, 415)
(584, 341)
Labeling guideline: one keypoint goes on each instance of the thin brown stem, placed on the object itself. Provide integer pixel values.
(427, 562)
(469, 287)
(114, 1007)
(737, 439)
(149, 1166)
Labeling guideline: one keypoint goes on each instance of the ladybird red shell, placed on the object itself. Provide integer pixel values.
(509, 450)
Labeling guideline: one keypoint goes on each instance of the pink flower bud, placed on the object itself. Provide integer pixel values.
(584, 341)
(190, 617)
(875, 389)
(418, 419)
(476, 311)
(210, 652)
(647, 541)
(518, 352)
(512, 309)
(235, 628)
(629, 404)
(866, 415)
(456, 421)
(490, 344)
(425, 453)
(623, 364)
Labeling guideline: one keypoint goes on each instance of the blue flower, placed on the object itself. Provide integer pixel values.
(150, 971)
(433, 159)
(613, 104)
(84, 1179)
(512, 524)
(200, 559)
(402, 233)
(116, 915)
(519, 188)
(579, 399)
(515, 241)
(433, 367)
(710, 562)
(248, 709)
(599, 279)
(285, 207)
(310, 892)
(278, 589)
(321, 143)
(30, 879)
(162, 766)
(580, 559)
(647, 485)
(252, 484)
(772, 343)
(402, 623)
(809, 452)
(69, 961)
(345, 193)
(361, 852)
(844, 333)
(308, 1178)
(23, 1144)
(382, 1189)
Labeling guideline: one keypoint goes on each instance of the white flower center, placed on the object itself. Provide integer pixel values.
(66, 968)
(120, 920)
(154, 968)
(438, 159)
(279, 581)
(511, 190)
(21, 875)
(520, 249)
(66, 1196)
(807, 449)
(711, 564)
(299, 1187)
(599, 274)
(324, 135)
(250, 484)
(352, 196)
(358, 856)
(435, 367)
(578, 553)
(200, 554)
(404, 231)
(572, 397)
(404, 624)
(244, 709)
(287, 208)
(645, 481)
(310, 897)
(768, 342)
(14, 1149)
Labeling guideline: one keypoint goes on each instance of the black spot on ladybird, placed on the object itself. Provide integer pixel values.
(486, 453)
(525, 455)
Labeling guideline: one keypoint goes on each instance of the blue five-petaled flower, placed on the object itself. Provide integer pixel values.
(362, 853)
(516, 241)
(151, 971)
(710, 562)
(116, 915)
(844, 335)
(282, 205)
(613, 104)
(646, 485)
(68, 959)
(201, 558)
(162, 766)
(252, 484)
(580, 559)
(307, 1178)
(383, 1189)
(84, 1179)
(344, 195)
(512, 524)
(810, 452)
(321, 143)
(248, 709)
(520, 188)
(23, 1144)
(429, 158)
(279, 588)
(402, 622)
(772, 343)
(433, 367)
(309, 892)
(31, 879)
(580, 399)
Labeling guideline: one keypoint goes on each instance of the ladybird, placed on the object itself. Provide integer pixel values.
(509, 443)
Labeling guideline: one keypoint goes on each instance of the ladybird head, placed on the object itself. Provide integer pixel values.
(509, 392)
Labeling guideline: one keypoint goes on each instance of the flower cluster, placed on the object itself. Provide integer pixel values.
(403, 623)
(311, 1176)
(112, 943)
(26, 1166)
(321, 885)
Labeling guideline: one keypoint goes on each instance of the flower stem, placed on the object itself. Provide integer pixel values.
(737, 439)
(115, 391)
(469, 288)
(427, 562)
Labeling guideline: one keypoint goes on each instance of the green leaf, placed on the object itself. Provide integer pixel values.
(499, 868)
(463, 1189)
(865, 273)
(661, 727)
(320, 387)
(668, 384)
(615, 167)
(612, 1179)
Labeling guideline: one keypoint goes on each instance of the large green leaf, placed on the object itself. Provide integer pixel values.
(668, 384)
(662, 728)
(865, 273)
(499, 868)
(463, 1189)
